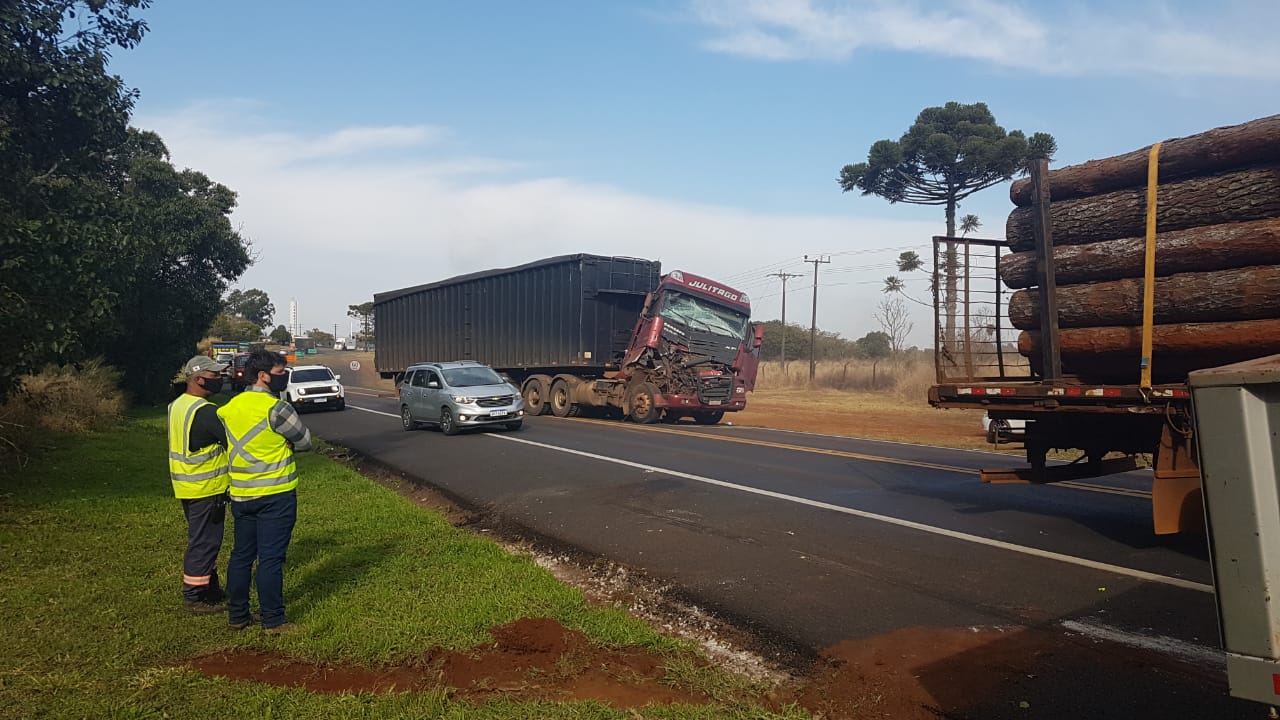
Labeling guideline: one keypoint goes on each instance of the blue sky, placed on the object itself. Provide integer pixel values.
(385, 144)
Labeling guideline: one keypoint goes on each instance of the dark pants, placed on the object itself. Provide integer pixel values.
(263, 528)
(205, 519)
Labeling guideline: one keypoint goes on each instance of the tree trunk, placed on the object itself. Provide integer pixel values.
(1224, 148)
(1252, 194)
(1216, 247)
(1251, 293)
(1111, 354)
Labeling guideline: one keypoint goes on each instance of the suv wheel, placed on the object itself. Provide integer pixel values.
(406, 418)
(448, 425)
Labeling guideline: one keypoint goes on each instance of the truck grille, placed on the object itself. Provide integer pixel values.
(720, 349)
(715, 389)
(493, 402)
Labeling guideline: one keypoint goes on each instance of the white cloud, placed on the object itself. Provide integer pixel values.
(338, 217)
(1230, 39)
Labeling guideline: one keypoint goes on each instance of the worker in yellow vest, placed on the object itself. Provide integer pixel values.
(198, 469)
(263, 432)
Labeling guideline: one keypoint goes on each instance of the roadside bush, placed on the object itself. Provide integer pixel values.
(59, 399)
(906, 377)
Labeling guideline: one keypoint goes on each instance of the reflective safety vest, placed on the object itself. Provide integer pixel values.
(195, 475)
(261, 459)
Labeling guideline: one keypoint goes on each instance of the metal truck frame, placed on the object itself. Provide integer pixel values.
(977, 371)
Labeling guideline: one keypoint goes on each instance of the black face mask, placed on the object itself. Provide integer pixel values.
(278, 382)
(213, 385)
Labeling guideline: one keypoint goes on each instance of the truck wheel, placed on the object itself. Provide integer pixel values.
(562, 405)
(709, 418)
(643, 403)
(535, 396)
(448, 425)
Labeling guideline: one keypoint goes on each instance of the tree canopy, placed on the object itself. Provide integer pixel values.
(281, 335)
(947, 154)
(106, 248)
(253, 305)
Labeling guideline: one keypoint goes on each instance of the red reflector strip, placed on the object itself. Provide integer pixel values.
(979, 391)
(1111, 392)
(1075, 392)
(1275, 683)
(1183, 394)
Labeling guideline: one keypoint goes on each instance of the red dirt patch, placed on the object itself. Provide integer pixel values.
(531, 658)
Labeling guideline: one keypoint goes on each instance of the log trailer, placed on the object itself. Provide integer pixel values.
(1099, 367)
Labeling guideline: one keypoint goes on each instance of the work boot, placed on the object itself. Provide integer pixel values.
(241, 625)
(203, 607)
(283, 629)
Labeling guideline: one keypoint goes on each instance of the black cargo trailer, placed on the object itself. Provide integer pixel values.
(573, 313)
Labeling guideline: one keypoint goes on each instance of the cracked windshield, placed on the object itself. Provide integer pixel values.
(703, 315)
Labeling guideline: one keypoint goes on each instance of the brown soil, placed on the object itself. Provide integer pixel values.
(911, 674)
(532, 658)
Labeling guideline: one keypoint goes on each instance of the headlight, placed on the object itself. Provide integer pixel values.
(333, 389)
(302, 391)
(463, 400)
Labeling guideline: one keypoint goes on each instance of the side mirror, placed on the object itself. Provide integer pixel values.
(337, 377)
(433, 385)
(759, 336)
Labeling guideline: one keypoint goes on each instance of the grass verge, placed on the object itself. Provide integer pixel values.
(90, 595)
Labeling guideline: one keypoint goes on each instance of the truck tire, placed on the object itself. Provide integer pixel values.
(642, 399)
(561, 400)
(709, 418)
(535, 395)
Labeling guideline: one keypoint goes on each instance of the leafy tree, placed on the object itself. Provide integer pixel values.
(253, 305)
(949, 153)
(874, 345)
(280, 335)
(61, 118)
(227, 327)
(321, 337)
(177, 253)
(364, 313)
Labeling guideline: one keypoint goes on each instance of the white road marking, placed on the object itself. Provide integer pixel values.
(1199, 655)
(944, 532)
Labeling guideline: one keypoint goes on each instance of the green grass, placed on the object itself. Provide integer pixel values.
(90, 619)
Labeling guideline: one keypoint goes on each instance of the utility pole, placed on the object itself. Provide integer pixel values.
(784, 277)
(335, 333)
(813, 324)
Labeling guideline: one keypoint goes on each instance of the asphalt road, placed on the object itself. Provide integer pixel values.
(812, 540)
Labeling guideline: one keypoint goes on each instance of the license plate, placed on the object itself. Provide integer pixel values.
(500, 413)
(714, 402)
(318, 399)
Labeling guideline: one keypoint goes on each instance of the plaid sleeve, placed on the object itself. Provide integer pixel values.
(284, 420)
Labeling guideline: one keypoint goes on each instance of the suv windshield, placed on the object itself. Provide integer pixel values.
(312, 375)
(471, 377)
(700, 314)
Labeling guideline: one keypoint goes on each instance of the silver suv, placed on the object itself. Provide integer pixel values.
(458, 395)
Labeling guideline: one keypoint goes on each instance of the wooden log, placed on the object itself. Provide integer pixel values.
(1224, 148)
(1216, 247)
(1237, 196)
(1111, 354)
(1251, 293)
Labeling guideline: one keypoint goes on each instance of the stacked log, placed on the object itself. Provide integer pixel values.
(1217, 292)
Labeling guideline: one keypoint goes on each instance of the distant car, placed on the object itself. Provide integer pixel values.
(458, 395)
(235, 371)
(999, 430)
(314, 386)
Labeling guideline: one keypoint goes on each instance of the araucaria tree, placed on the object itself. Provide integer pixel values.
(948, 154)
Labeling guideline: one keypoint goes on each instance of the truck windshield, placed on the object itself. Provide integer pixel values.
(312, 375)
(472, 377)
(698, 314)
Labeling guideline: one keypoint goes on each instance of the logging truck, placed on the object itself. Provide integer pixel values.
(1116, 279)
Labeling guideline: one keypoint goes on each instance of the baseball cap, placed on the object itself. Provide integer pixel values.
(203, 362)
